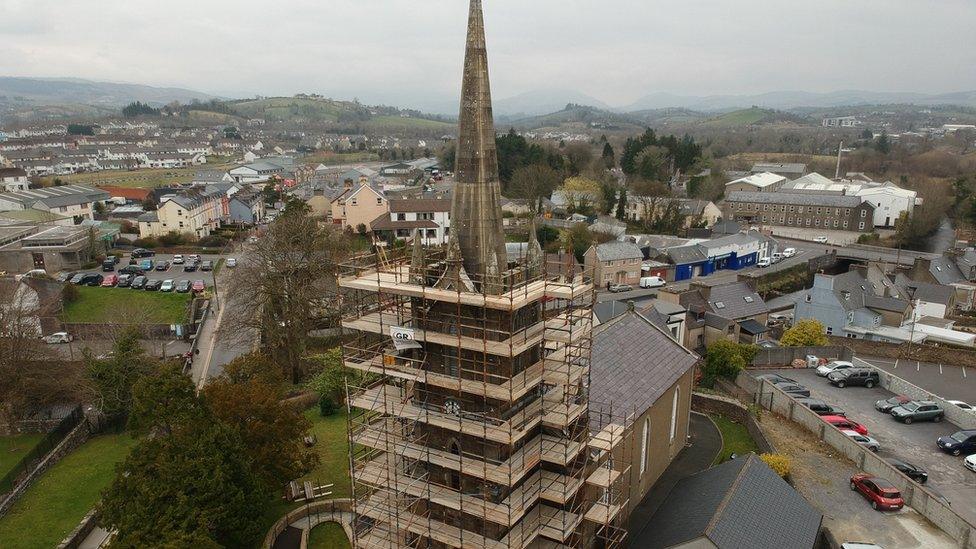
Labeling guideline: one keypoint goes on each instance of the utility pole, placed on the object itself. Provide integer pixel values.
(840, 151)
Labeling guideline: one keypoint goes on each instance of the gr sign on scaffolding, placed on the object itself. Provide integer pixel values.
(404, 338)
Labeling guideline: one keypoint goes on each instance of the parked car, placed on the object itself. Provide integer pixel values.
(108, 265)
(206, 265)
(183, 286)
(132, 270)
(651, 282)
(58, 337)
(775, 378)
(167, 286)
(854, 376)
(842, 423)
(124, 281)
(767, 344)
(198, 286)
(139, 282)
(776, 257)
(911, 471)
(763, 263)
(859, 545)
(958, 443)
(110, 280)
(93, 279)
(153, 285)
(918, 411)
(162, 265)
(193, 257)
(970, 463)
(888, 404)
(178, 259)
(139, 253)
(189, 266)
(231, 263)
(863, 440)
(882, 494)
(793, 389)
(963, 405)
(146, 264)
(77, 278)
(821, 239)
(789, 252)
(617, 288)
(833, 366)
(821, 408)
(66, 276)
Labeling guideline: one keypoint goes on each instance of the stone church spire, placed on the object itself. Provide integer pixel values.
(476, 212)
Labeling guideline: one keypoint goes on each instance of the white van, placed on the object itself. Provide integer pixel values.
(762, 263)
(777, 257)
(652, 282)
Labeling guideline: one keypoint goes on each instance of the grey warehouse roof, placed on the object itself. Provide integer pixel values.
(835, 201)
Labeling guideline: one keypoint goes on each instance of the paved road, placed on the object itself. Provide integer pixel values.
(947, 381)
(914, 443)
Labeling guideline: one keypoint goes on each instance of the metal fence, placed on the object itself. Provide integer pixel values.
(41, 449)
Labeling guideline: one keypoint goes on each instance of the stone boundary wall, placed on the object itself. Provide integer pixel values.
(74, 439)
(78, 535)
(784, 356)
(916, 496)
(732, 409)
(942, 354)
(333, 506)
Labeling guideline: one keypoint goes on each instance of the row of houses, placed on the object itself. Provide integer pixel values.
(200, 210)
(814, 201)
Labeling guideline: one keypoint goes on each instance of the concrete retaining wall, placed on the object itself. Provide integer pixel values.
(915, 495)
(734, 410)
(78, 535)
(897, 385)
(936, 354)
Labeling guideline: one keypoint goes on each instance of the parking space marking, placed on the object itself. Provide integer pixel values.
(940, 368)
(963, 371)
(918, 366)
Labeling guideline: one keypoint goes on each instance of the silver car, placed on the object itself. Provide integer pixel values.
(863, 440)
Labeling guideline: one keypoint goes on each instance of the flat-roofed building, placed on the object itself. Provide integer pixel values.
(758, 182)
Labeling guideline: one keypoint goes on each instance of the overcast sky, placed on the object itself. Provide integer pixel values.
(409, 52)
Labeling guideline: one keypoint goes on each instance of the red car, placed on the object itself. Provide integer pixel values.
(198, 286)
(882, 494)
(842, 422)
(110, 281)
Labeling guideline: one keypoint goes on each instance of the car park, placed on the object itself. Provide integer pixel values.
(842, 423)
(146, 264)
(913, 411)
(178, 259)
(153, 285)
(139, 282)
(198, 286)
(190, 266)
(775, 378)
(911, 471)
(124, 281)
(162, 265)
(110, 280)
(77, 278)
(651, 282)
(970, 463)
(183, 286)
(193, 257)
(132, 270)
(863, 440)
(206, 265)
(763, 263)
(793, 389)
(882, 494)
(66, 276)
(167, 286)
(963, 405)
(833, 366)
(886, 405)
(854, 376)
(231, 263)
(108, 265)
(58, 337)
(959, 443)
(789, 252)
(87, 279)
(139, 253)
(821, 408)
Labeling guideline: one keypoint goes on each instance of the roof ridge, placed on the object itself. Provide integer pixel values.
(666, 334)
(720, 510)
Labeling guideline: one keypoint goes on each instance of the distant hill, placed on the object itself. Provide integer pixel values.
(752, 117)
(64, 91)
(576, 114)
(795, 99)
(540, 102)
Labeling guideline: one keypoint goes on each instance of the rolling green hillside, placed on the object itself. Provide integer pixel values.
(285, 108)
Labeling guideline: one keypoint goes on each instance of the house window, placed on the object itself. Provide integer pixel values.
(179, 212)
(817, 222)
(818, 211)
(836, 223)
(799, 209)
(63, 208)
(860, 225)
(431, 233)
(792, 208)
(674, 413)
(845, 224)
(830, 331)
(864, 213)
(352, 202)
(808, 222)
(401, 217)
(181, 224)
(644, 443)
(379, 201)
(847, 211)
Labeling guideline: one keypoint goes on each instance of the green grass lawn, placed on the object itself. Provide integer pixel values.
(54, 505)
(114, 305)
(329, 535)
(333, 450)
(147, 178)
(735, 438)
(15, 447)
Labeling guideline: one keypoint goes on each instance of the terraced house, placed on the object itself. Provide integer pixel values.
(811, 211)
(195, 212)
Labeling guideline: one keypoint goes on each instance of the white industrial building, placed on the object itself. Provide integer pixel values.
(889, 200)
